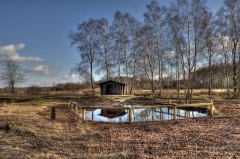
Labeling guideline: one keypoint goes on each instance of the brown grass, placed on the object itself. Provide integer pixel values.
(34, 135)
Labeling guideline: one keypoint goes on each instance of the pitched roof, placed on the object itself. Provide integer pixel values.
(110, 81)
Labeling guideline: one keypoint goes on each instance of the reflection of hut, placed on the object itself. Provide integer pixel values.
(112, 113)
(111, 88)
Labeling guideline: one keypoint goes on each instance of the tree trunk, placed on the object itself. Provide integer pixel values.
(209, 79)
(91, 78)
(106, 60)
(13, 88)
(126, 62)
(134, 70)
(227, 76)
(234, 67)
(152, 85)
(119, 65)
(159, 66)
(178, 76)
(209, 68)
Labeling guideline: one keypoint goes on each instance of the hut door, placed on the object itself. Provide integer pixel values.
(111, 89)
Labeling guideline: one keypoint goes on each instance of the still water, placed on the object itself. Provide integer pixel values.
(142, 115)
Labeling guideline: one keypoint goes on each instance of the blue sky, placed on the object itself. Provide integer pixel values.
(35, 32)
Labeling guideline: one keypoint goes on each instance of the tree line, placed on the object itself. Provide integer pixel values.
(185, 43)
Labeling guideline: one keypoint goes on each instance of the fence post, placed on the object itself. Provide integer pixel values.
(130, 115)
(211, 108)
(76, 107)
(69, 104)
(83, 114)
(53, 113)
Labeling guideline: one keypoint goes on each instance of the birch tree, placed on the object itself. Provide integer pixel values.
(121, 29)
(135, 36)
(148, 63)
(86, 39)
(231, 11)
(194, 15)
(223, 38)
(211, 45)
(175, 28)
(155, 17)
(105, 59)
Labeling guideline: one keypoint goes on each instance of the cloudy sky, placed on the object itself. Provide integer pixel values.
(34, 32)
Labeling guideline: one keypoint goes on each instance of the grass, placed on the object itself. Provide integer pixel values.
(34, 135)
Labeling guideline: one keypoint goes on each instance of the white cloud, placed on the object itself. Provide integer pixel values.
(68, 78)
(12, 52)
(39, 70)
(73, 76)
(26, 59)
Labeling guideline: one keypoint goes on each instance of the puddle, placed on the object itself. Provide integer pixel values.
(142, 115)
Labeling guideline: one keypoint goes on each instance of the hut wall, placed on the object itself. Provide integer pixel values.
(103, 89)
(111, 88)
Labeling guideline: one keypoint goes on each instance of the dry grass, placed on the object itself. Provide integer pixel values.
(34, 135)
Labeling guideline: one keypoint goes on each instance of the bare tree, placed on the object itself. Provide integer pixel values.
(12, 73)
(155, 17)
(231, 12)
(221, 32)
(211, 45)
(86, 39)
(135, 35)
(175, 28)
(105, 60)
(194, 14)
(121, 33)
(148, 63)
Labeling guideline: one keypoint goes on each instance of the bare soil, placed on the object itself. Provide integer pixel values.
(33, 134)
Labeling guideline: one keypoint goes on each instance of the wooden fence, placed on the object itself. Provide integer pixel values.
(170, 100)
(73, 105)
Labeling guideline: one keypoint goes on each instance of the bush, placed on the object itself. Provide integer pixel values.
(34, 89)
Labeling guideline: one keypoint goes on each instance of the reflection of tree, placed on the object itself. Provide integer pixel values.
(120, 119)
(157, 115)
(142, 114)
(90, 114)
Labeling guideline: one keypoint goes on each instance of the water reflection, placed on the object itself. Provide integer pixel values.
(149, 114)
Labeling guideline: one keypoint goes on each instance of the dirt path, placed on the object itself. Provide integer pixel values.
(34, 135)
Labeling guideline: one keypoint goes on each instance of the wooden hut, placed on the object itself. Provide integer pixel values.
(111, 88)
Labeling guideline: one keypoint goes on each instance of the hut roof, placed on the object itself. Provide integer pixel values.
(101, 83)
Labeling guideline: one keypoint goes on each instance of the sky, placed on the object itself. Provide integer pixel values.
(35, 33)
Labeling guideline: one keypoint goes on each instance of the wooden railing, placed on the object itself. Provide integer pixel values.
(170, 100)
(73, 105)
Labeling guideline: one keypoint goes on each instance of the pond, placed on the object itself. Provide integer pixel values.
(142, 114)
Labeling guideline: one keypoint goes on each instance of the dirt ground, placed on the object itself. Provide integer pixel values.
(33, 134)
